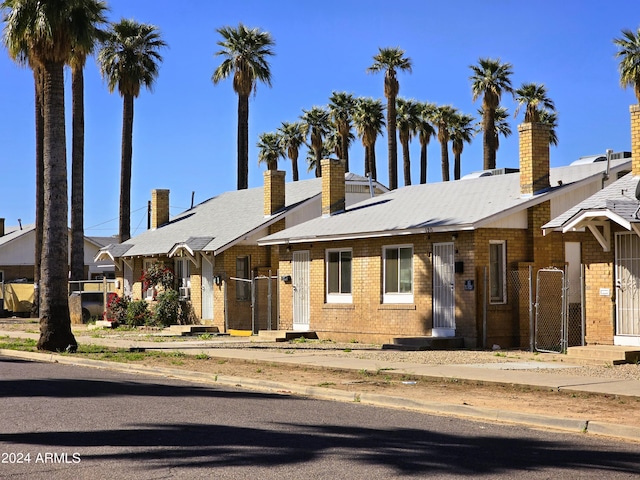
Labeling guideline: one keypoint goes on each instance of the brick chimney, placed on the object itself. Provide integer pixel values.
(159, 208)
(1, 227)
(274, 188)
(635, 139)
(534, 158)
(333, 188)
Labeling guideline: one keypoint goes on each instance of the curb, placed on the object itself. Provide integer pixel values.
(435, 408)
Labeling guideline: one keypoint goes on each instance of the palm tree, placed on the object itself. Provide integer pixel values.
(269, 149)
(425, 132)
(551, 120)
(96, 16)
(442, 117)
(368, 118)
(292, 137)
(390, 60)
(46, 33)
(312, 164)
(534, 97)
(408, 117)
(341, 105)
(129, 59)
(245, 51)
(461, 132)
(317, 122)
(629, 55)
(490, 79)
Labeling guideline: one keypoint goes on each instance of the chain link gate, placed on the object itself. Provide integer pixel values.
(265, 302)
(264, 294)
(551, 308)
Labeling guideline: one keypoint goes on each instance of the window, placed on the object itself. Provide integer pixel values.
(243, 289)
(148, 293)
(183, 276)
(497, 271)
(339, 276)
(398, 274)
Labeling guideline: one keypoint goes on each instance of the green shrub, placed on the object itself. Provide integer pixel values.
(138, 313)
(167, 309)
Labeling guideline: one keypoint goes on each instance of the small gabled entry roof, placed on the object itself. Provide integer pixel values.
(616, 203)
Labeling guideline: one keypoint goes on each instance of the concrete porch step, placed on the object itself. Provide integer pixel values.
(425, 343)
(284, 335)
(609, 354)
(185, 330)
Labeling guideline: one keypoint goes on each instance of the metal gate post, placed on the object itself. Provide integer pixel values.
(583, 318)
(484, 309)
(253, 304)
(269, 302)
(531, 324)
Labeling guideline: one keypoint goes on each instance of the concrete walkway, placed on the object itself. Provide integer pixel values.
(534, 374)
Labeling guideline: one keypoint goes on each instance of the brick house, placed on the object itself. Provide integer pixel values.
(607, 224)
(431, 260)
(213, 248)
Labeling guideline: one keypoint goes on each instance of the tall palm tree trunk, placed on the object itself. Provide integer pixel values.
(392, 142)
(344, 146)
(77, 175)
(444, 152)
(372, 162)
(125, 168)
(55, 322)
(423, 164)
(456, 164)
(243, 141)
(39, 113)
(318, 153)
(489, 134)
(294, 165)
(406, 163)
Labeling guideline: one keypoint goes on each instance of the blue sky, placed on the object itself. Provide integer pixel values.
(185, 130)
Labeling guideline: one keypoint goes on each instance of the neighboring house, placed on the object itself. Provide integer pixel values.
(607, 225)
(17, 254)
(433, 260)
(213, 247)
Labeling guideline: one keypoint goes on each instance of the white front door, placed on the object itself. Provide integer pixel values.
(628, 289)
(300, 282)
(444, 307)
(207, 289)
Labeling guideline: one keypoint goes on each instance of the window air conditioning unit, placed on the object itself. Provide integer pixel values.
(185, 292)
(149, 293)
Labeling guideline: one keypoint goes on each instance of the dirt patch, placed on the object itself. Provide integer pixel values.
(582, 406)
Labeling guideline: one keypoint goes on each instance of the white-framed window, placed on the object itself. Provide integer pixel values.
(497, 271)
(148, 293)
(243, 289)
(398, 274)
(182, 267)
(339, 283)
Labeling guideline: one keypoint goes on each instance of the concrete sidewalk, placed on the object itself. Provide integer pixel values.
(534, 374)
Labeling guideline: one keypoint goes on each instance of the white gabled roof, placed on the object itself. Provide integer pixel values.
(445, 206)
(215, 224)
(617, 202)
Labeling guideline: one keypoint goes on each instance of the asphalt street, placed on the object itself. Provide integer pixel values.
(77, 422)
